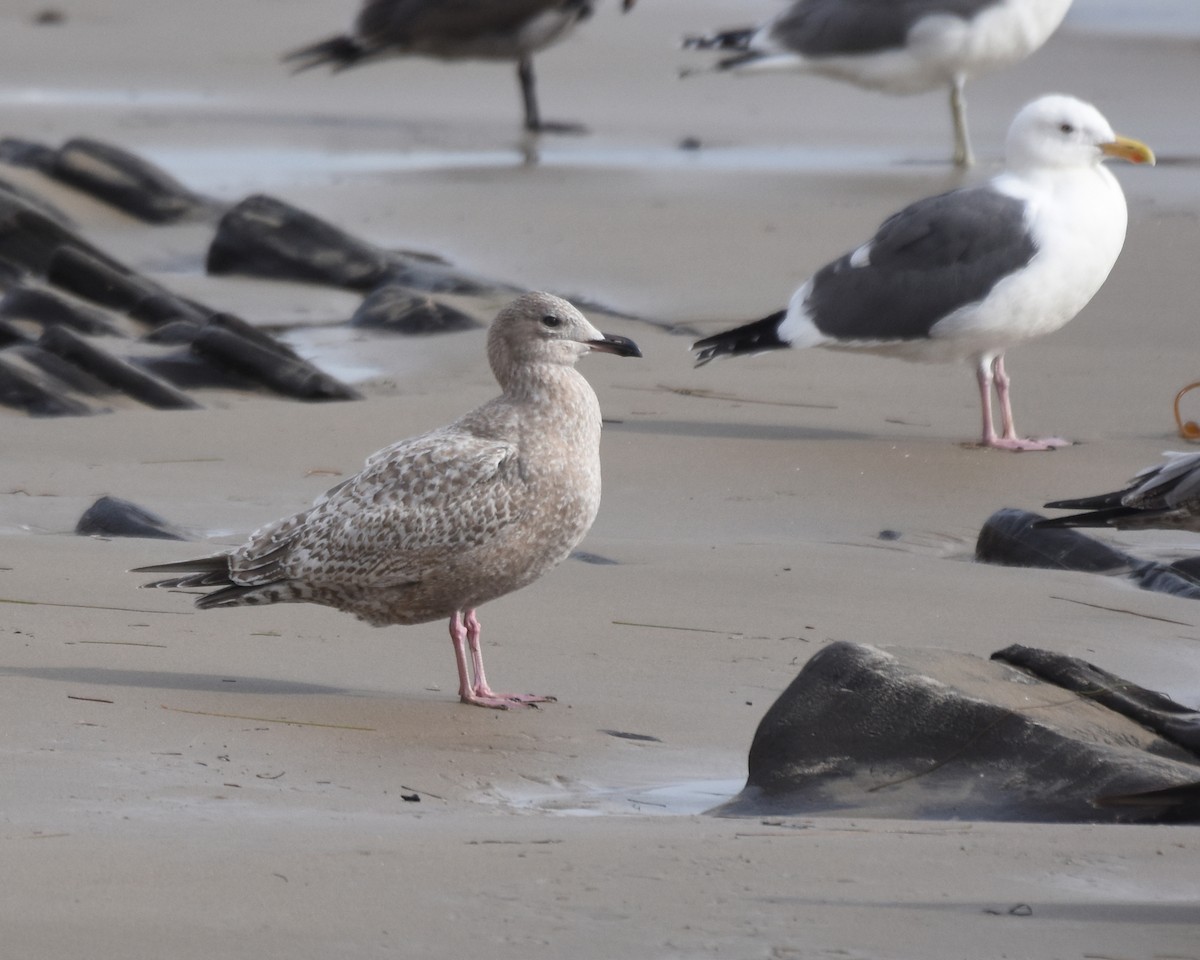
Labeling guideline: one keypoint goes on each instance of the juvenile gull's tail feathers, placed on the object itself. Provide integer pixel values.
(756, 337)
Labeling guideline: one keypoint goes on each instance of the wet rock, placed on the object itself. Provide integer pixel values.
(114, 517)
(25, 387)
(1160, 713)
(117, 373)
(1018, 538)
(269, 367)
(1010, 538)
(48, 307)
(30, 237)
(10, 333)
(111, 175)
(921, 733)
(109, 283)
(398, 310)
(12, 191)
(266, 237)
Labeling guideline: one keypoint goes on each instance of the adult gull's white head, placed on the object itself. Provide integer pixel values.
(1059, 131)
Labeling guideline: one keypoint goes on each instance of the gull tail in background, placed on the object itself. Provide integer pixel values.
(756, 337)
(338, 52)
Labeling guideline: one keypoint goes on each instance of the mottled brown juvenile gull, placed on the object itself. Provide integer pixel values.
(455, 30)
(1165, 496)
(436, 525)
(967, 274)
(898, 46)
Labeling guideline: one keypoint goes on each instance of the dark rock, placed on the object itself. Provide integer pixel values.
(1019, 538)
(265, 237)
(1160, 713)
(29, 237)
(125, 181)
(399, 310)
(937, 734)
(1009, 538)
(10, 333)
(37, 393)
(1169, 579)
(118, 373)
(270, 367)
(26, 153)
(114, 517)
(28, 198)
(111, 175)
(102, 280)
(49, 307)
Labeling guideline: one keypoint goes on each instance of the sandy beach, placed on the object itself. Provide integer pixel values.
(190, 784)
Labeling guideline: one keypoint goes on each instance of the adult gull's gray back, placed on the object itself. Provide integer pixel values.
(1164, 496)
(898, 46)
(455, 30)
(436, 525)
(967, 274)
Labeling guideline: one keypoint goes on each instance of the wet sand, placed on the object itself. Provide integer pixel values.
(233, 783)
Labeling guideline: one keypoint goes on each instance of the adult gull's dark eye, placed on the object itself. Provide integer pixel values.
(1066, 128)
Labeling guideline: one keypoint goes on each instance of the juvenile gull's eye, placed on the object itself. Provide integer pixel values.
(550, 320)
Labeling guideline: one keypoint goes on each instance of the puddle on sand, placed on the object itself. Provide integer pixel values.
(675, 799)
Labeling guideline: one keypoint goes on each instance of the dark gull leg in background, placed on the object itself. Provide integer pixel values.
(533, 121)
(963, 155)
(533, 117)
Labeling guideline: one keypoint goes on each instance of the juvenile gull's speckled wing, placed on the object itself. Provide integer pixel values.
(414, 502)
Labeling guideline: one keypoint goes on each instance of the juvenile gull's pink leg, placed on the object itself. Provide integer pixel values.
(482, 694)
(464, 634)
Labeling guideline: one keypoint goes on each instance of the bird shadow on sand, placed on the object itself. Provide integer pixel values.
(736, 431)
(165, 680)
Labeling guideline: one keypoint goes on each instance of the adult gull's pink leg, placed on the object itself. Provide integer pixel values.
(991, 371)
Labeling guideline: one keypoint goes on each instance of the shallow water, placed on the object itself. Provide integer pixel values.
(685, 798)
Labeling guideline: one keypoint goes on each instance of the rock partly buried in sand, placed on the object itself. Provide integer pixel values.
(265, 237)
(48, 307)
(1150, 708)
(27, 387)
(30, 235)
(924, 733)
(397, 309)
(114, 517)
(266, 364)
(1012, 538)
(113, 176)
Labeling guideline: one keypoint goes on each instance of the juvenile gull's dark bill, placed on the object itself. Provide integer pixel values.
(898, 46)
(1165, 496)
(436, 525)
(967, 274)
(456, 30)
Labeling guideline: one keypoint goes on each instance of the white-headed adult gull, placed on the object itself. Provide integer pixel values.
(436, 525)
(898, 46)
(455, 30)
(1166, 496)
(967, 274)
